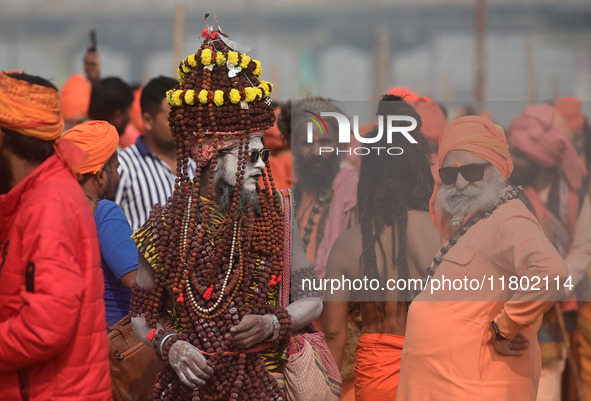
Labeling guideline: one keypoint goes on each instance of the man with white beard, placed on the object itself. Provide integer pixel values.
(494, 253)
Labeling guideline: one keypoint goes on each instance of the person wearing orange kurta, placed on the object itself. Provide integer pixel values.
(479, 344)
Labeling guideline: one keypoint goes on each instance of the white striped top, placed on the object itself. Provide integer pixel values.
(145, 181)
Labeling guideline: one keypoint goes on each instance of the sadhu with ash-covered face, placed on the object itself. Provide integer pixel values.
(214, 273)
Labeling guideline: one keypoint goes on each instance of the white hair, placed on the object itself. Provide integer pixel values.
(459, 202)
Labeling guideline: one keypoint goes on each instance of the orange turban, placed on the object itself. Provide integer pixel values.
(570, 108)
(404, 93)
(432, 116)
(97, 138)
(477, 135)
(76, 98)
(29, 109)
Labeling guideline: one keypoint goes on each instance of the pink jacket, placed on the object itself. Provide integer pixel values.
(53, 344)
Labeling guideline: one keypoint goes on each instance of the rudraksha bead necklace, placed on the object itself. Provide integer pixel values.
(512, 193)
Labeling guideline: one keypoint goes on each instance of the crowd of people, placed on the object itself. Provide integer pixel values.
(174, 204)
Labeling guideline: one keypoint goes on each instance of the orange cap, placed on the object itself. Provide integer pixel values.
(98, 139)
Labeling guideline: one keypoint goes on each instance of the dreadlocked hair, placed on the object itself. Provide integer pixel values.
(388, 187)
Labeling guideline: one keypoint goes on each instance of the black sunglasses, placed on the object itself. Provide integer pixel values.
(253, 155)
(471, 172)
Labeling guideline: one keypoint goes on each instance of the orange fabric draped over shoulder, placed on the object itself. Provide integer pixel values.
(477, 135)
(98, 139)
(29, 109)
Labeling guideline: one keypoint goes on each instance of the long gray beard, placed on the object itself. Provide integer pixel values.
(456, 203)
(224, 192)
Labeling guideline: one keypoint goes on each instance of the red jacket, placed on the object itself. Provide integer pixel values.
(53, 344)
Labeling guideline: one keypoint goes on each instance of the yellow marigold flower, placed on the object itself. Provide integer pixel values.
(234, 96)
(265, 88)
(257, 70)
(218, 98)
(190, 97)
(191, 60)
(176, 98)
(259, 92)
(269, 87)
(250, 94)
(220, 58)
(181, 75)
(206, 56)
(169, 96)
(245, 61)
(202, 96)
(233, 58)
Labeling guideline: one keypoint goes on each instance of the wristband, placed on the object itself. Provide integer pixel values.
(281, 333)
(276, 328)
(170, 343)
(498, 335)
(163, 341)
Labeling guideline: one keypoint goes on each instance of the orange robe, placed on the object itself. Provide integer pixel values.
(448, 352)
(378, 367)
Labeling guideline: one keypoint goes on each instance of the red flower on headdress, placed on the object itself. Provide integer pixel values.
(205, 33)
(214, 35)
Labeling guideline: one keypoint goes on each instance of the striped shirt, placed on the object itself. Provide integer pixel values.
(145, 181)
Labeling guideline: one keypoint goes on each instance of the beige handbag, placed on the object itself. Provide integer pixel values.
(311, 373)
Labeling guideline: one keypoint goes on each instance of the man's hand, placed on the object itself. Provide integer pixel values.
(92, 65)
(252, 330)
(189, 364)
(514, 347)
